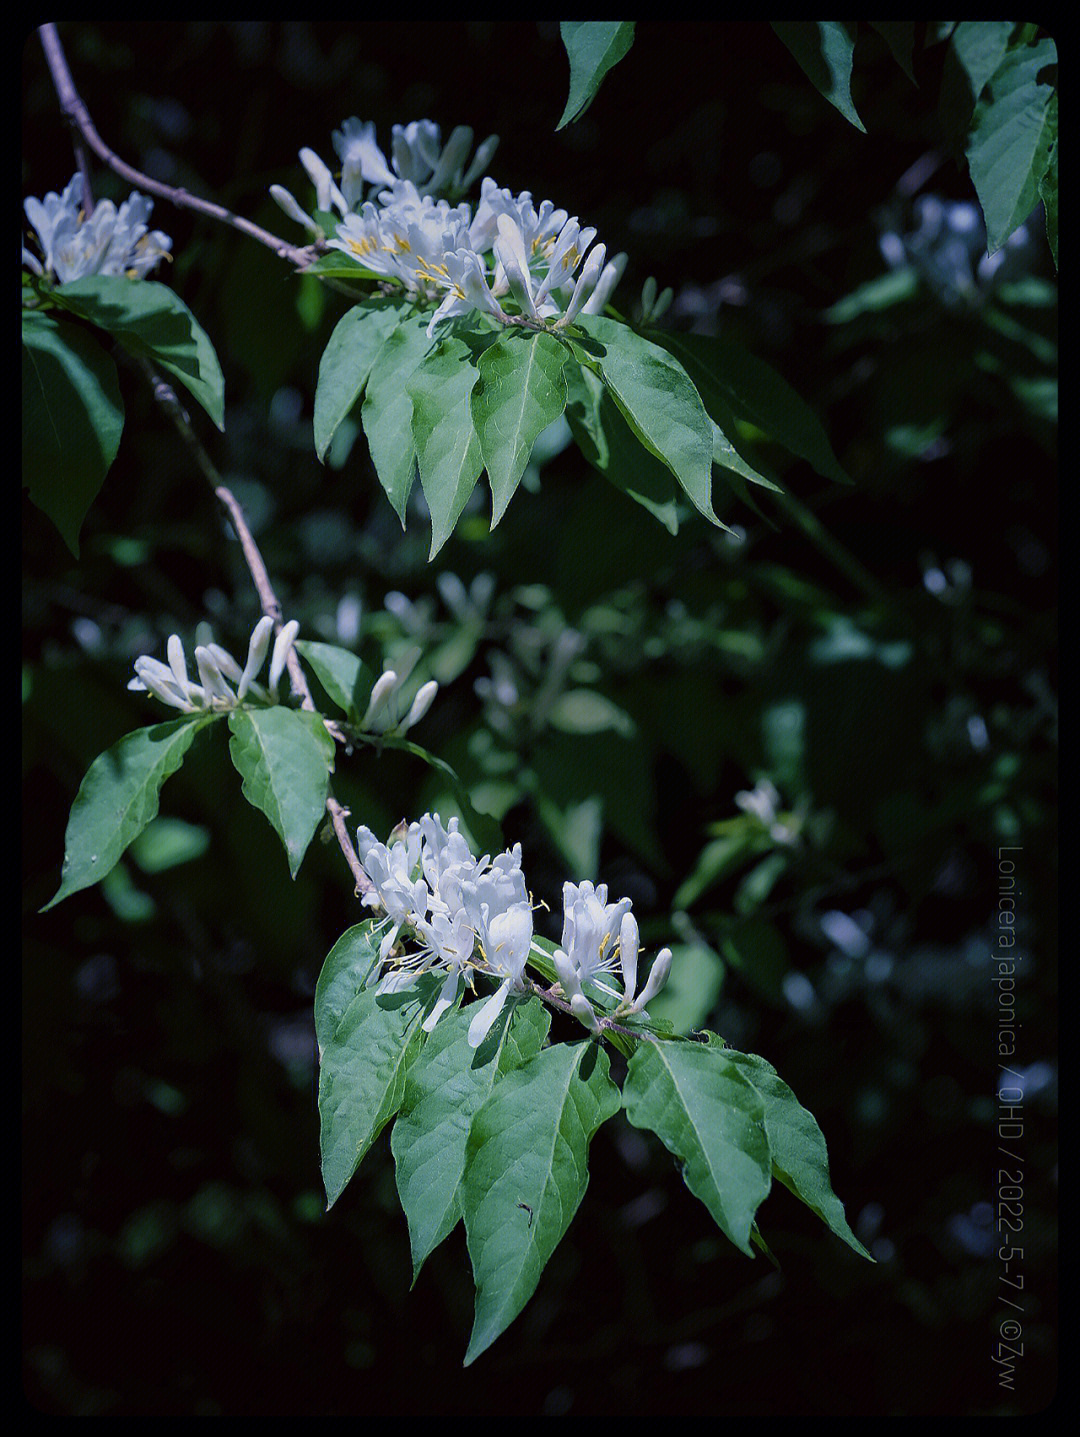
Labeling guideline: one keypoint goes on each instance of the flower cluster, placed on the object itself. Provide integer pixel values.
(439, 251)
(218, 671)
(461, 915)
(107, 241)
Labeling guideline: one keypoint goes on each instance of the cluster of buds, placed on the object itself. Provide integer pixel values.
(218, 670)
(448, 911)
(106, 241)
(441, 251)
(223, 684)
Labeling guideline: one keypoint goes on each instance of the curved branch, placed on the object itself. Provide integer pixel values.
(78, 117)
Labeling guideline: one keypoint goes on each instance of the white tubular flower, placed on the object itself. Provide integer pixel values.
(591, 927)
(327, 193)
(257, 647)
(586, 284)
(293, 209)
(610, 277)
(361, 159)
(580, 1006)
(212, 678)
(465, 280)
(505, 940)
(109, 241)
(421, 703)
(628, 955)
(514, 262)
(658, 976)
(217, 670)
(381, 690)
(282, 644)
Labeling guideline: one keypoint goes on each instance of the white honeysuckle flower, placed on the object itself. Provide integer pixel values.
(109, 241)
(591, 930)
(327, 193)
(282, 644)
(505, 940)
(610, 277)
(217, 670)
(465, 280)
(425, 696)
(361, 159)
(292, 207)
(585, 286)
(628, 955)
(658, 976)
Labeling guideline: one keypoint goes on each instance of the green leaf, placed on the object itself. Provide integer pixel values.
(609, 445)
(447, 446)
(386, 413)
(526, 1172)
(336, 264)
(587, 711)
(1048, 185)
(72, 419)
(117, 799)
(799, 1156)
(659, 402)
(1009, 146)
(824, 49)
(347, 361)
(346, 678)
(154, 323)
(899, 35)
(362, 1067)
(521, 392)
(738, 385)
(285, 757)
(344, 972)
(593, 46)
(705, 1111)
(444, 1089)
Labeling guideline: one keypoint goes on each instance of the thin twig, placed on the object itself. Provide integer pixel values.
(78, 116)
(268, 600)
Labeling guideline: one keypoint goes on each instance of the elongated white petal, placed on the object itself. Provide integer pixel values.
(628, 955)
(657, 978)
(282, 644)
(421, 703)
(326, 191)
(212, 679)
(586, 283)
(481, 1025)
(510, 252)
(257, 647)
(381, 690)
(292, 208)
(445, 1000)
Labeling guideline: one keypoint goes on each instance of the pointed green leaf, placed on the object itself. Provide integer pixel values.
(447, 447)
(899, 35)
(659, 402)
(345, 677)
(705, 1111)
(736, 385)
(799, 1156)
(362, 1069)
(592, 46)
(521, 392)
(1009, 146)
(526, 1172)
(445, 1087)
(609, 445)
(824, 49)
(285, 757)
(1048, 185)
(386, 413)
(117, 799)
(344, 972)
(347, 361)
(154, 323)
(72, 419)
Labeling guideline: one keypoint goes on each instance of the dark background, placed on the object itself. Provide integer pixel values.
(177, 1256)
